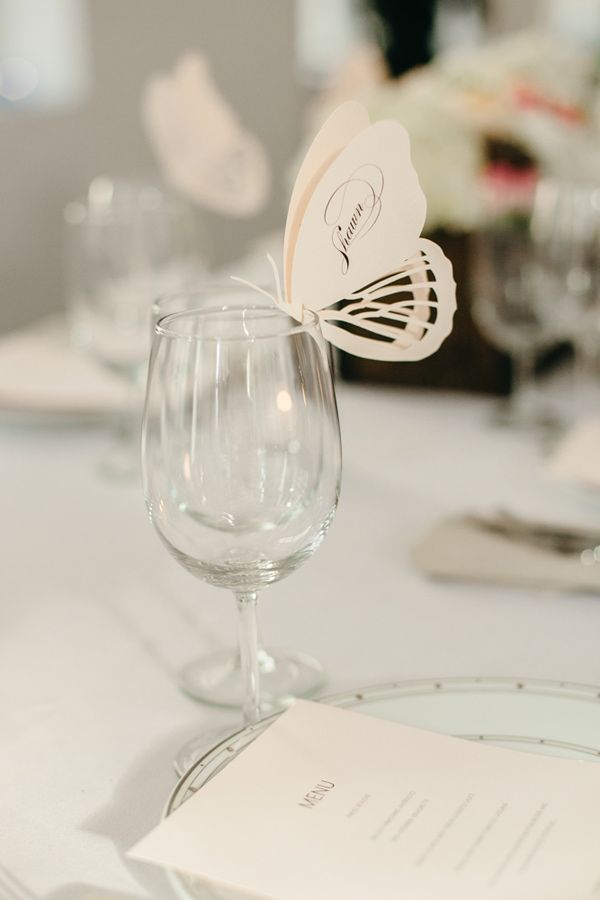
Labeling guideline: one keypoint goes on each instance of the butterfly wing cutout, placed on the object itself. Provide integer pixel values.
(381, 291)
(403, 316)
(353, 251)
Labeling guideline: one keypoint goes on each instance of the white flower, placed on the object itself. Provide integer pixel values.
(446, 153)
(528, 88)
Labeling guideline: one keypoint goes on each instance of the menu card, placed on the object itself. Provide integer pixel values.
(330, 804)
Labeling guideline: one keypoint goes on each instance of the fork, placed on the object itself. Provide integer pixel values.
(553, 537)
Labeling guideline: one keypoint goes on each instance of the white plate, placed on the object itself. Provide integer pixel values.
(556, 718)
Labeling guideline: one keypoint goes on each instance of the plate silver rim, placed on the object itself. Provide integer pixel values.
(414, 687)
(182, 883)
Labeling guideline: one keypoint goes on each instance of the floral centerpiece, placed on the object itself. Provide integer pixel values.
(485, 121)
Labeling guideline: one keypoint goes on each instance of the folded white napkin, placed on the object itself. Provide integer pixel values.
(465, 548)
(40, 372)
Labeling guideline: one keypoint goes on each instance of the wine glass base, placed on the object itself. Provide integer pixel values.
(284, 675)
(197, 747)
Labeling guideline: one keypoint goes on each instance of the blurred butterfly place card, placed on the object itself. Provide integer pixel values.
(203, 150)
(353, 251)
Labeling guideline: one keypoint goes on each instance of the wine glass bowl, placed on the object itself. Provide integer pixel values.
(565, 229)
(251, 484)
(506, 312)
(128, 240)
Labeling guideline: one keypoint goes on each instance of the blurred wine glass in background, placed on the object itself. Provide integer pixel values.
(126, 243)
(565, 229)
(506, 312)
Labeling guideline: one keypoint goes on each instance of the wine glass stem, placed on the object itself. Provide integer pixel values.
(248, 636)
(523, 382)
(583, 367)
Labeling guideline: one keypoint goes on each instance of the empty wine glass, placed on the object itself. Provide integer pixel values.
(126, 242)
(565, 228)
(241, 455)
(217, 677)
(505, 311)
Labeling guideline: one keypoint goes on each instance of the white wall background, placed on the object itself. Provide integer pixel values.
(49, 157)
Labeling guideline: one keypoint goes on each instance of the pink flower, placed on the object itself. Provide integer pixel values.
(508, 189)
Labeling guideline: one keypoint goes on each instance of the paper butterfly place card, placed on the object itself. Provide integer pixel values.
(202, 148)
(353, 251)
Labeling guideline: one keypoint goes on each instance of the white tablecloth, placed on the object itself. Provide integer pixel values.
(96, 619)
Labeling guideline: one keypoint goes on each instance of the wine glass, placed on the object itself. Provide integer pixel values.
(217, 677)
(241, 455)
(128, 240)
(505, 311)
(565, 229)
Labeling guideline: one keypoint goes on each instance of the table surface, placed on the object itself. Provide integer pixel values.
(97, 619)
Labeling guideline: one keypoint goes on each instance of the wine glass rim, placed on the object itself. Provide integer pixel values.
(166, 325)
(202, 293)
